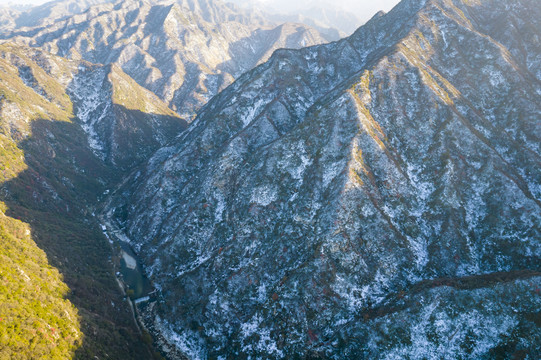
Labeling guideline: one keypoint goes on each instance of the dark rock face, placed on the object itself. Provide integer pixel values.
(377, 197)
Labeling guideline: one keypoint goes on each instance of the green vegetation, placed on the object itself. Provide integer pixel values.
(11, 159)
(53, 103)
(36, 320)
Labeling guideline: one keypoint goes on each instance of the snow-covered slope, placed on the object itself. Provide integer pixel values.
(377, 197)
(125, 123)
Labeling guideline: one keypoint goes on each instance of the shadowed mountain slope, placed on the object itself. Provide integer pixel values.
(68, 132)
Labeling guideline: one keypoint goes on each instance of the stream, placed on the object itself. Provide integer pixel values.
(130, 272)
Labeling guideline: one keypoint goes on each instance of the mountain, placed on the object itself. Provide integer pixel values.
(69, 130)
(184, 51)
(125, 123)
(7, 18)
(43, 15)
(376, 197)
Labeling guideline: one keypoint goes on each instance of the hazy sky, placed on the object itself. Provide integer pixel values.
(357, 6)
(23, 2)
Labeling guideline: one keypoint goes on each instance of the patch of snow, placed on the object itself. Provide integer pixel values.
(293, 197)
(252, 112)
(142, 300)
(262, 293)
(423, 188)
(434, 323)
(93, 104)
(129, 260)
(268, 346)
(295, 160)
(496, 78)
(189, 344)
(200, 260)
(264, 195)
(377, 289)
(265, 344)
(331, 172)
(419, 247)
(475, 205)
(220, 207)
(351, 293)
(249, 328)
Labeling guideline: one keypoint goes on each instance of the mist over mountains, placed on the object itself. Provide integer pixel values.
(323, 15)
(281, 189)
(360, 9)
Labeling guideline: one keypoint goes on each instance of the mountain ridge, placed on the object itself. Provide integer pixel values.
(362, 167)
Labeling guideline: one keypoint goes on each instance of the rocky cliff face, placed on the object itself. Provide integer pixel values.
(377, 197)
(184, 51)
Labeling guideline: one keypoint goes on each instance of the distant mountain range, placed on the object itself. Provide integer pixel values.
(13, 17)
(184, 51)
